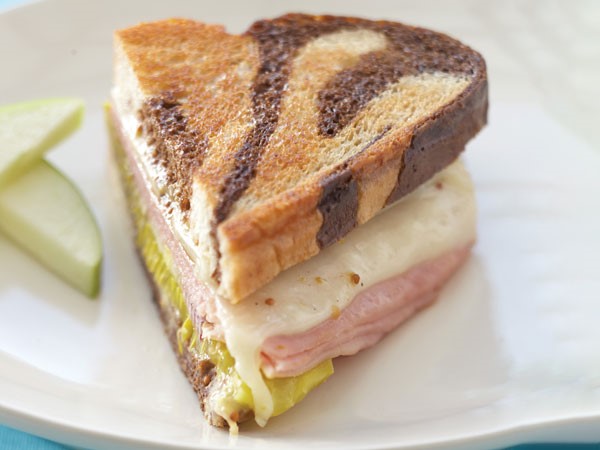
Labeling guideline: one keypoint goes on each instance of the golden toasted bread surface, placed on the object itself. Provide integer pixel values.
(280, 141)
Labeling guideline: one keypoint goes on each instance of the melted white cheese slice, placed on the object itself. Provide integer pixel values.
(436, 218)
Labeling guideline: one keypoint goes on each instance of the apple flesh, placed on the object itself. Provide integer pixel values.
(44, 213)
(28, 130)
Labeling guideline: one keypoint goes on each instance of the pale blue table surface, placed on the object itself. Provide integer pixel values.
(17, 440)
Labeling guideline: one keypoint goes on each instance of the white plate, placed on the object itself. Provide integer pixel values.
(510, 353)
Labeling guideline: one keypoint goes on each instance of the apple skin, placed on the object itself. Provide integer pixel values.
(41, 210)
(44, 213)
(30, 129)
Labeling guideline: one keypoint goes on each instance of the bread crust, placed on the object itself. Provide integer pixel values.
(277, 199)
(199, 372)
(384, 175)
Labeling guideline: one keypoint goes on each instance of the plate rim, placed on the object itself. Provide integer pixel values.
(32, 423)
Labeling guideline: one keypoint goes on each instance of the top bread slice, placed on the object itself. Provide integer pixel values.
(276, 143)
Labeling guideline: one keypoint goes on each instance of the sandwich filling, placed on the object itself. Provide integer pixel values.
(271, 349)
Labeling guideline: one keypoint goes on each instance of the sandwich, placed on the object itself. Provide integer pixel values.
(296, 191)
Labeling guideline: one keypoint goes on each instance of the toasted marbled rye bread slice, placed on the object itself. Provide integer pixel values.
(275, 143)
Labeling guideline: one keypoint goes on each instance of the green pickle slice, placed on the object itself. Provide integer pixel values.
(234, 395)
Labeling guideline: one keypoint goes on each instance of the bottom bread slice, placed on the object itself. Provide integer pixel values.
(199, 370)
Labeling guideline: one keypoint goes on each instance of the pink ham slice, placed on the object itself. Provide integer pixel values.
(371, 315)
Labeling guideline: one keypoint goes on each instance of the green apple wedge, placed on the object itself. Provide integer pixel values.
(29, 129)
(44, 213)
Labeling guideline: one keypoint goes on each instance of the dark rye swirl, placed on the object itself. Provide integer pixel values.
(278, 142)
